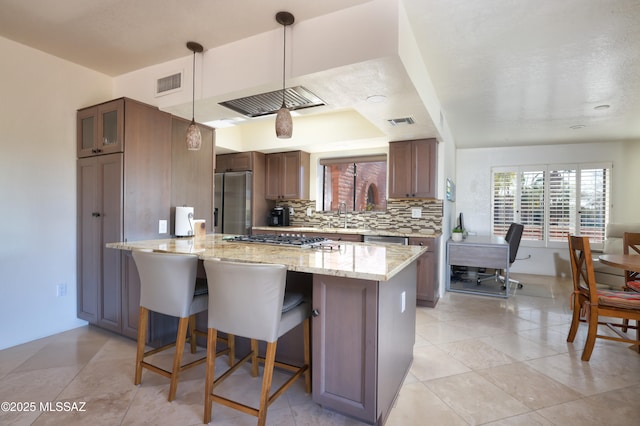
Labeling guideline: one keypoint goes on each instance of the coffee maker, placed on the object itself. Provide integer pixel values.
(279, 216)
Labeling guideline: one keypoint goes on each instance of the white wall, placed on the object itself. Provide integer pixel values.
(473, 182)
(40, 96)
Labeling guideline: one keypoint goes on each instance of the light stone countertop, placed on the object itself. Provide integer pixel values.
(355, 231)
(345, 259)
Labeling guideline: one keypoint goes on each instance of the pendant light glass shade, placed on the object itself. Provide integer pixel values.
(194, 137)
(284, 123)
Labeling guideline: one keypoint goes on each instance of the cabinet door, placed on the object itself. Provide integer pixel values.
(99, 221)
(291, 176)
(400, 164)
(423, 168)
(88, 274)
(87, 132)
(272, 175)
(100, 129)
(130, 296)
(110, 127)
(428, 289)
(345, 345)
(110, 193)
(237, 162)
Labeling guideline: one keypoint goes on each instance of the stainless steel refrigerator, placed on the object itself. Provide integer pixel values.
(232, 198)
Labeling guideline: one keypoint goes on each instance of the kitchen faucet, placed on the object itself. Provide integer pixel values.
(340, 206)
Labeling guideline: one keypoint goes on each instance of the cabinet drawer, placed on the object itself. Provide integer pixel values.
(478, 256)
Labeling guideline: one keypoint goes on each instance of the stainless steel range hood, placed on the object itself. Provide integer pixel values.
(269, 103)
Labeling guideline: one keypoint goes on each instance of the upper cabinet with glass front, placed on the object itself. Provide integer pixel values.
(100, 129)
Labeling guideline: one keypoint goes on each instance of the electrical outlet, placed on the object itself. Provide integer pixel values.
(416, 212)
(61, 290)
(162, 227)
(309, 211)
(290, 211)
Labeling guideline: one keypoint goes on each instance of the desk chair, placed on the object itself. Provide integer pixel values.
(513, 237)
(592, 305)
(246, 299)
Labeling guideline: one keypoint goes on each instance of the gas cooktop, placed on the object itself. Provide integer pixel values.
(291, 240)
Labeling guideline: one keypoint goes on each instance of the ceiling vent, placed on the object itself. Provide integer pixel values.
(168, 84)
(405, 121)
(269, 103)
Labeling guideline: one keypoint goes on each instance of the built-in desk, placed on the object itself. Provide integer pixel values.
(473, 254)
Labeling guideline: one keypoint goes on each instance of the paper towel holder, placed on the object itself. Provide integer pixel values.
(184, 221)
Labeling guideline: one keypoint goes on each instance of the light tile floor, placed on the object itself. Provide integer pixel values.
(477, 360)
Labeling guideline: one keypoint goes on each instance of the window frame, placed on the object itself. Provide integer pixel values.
(576, 216)
(353, 160)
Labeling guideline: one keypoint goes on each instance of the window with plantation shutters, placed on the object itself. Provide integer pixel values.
(504, 200)
(532, 204)
(552, 202)
(594, 199)
(562, 203)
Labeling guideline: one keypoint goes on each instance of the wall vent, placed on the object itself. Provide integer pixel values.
(168, 84)
(405, 121)
(269, 103)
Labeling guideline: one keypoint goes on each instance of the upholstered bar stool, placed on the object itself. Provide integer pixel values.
(167, 286)
(246, 299)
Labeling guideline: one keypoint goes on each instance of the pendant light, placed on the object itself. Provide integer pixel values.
(284, 124)
(194, 138)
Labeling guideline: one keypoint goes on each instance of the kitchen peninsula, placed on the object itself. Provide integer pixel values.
(363, 325)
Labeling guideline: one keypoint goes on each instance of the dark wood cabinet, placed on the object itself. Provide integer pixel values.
(428, 288)
(121, 196)
(363, 334)
(412, 169)
(236, 162)
(100, 129)
(100, 200)
(287, 175)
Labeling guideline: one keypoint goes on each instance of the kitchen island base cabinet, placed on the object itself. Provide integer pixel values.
(428, 288)
(363, 337)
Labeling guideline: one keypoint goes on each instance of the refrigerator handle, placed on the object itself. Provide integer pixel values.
(215, 217)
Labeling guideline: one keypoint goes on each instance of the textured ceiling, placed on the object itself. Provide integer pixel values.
(505, 72)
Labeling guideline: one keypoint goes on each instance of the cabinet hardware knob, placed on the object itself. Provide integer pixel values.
(95, 214)
(315, 313)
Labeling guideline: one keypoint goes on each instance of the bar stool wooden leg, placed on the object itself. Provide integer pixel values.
(143, 320)
(267, 377)
(177, 358)
(231, 344)
(254, 358)
(212, 338)
(192, 334)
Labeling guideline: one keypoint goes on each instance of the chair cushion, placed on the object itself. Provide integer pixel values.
(291, 300)
(619, 299)
(634, 285)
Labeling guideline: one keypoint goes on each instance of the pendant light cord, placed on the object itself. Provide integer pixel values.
(193, 94)
(284, 60)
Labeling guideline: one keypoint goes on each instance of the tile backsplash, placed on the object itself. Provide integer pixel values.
(397, 217)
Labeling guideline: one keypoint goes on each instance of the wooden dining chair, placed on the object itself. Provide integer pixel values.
(592, 305)
(631, 245)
